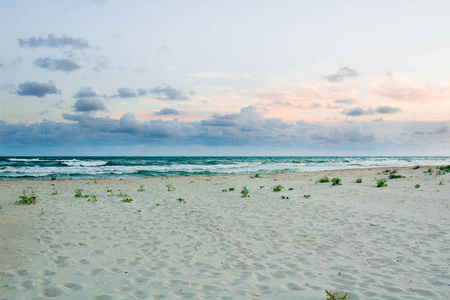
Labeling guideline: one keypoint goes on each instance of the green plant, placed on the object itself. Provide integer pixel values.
(231, 189)
(141, 188)
(170, 188)
(42, 212)
(387, 171)
(284, 197)
(257, 176)
(307, 196)
(109, 191)
(27, 199)
(430, 170)
(139, 210)
(244, 265)
(78, 193)
(127, 200)
(291, 189)
(381, 182)
(336, 181)
(245, 192)
(91, 198)
(417, 186)
(441, 183)
(224, 190)
(95, 181)
(359, 180)
(324, 179)
(335, 296)
(261, 187)
(181, 200)
(278, 188)
(394, 176)
(416, 167)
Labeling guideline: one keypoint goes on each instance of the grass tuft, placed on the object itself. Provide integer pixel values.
(381, 182)
(27, 199)
(278, 188)
(336, 181)
(324, 179)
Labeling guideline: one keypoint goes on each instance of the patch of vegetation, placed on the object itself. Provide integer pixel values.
(95, 181)
(127, 200)
(387, 171)
(278, 188)
(245, 192)
(27, 199)
(141, 188)
(224, 191)
(91, 198)
(336, 181)
(139, 210)
(430, 170)
(359, 180)
(257, 176)
(231, 189)
(335, 296)
(284, 197)
(307, 196)
(441, 183)
(181, 200)
(261, 187)
(381, 182)
(122, 195)
(324, 179)
(78, 193)
(291, 189)
(417, 186)
(170, 188)
(416, 167)
(395, 176)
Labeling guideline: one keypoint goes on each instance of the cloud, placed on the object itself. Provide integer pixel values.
(358, 111)
(55, 42)
(399, 88)
(378, 120)
(341, 75)
(64, 64)
(441, 130)
(344, 101)
(167, 112)
(387, 110)
(85, 92)
(315, 105)
(125, 93)
(2, 66)
(89, 105)
(168, 93)
(37, 89)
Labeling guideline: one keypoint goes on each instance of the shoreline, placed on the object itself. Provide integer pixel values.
(371, 242)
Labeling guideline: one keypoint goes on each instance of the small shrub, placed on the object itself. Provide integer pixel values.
(78, 193)
(359, 180)
(430, 170)
(387, 171)
(441, 183)
(170, 188)
(291, 189)
(244, 192)
(278, 188)
(336, 181)
(27, 199)
(416, 167)
(141, 188)
(261, 187)
(127, 200)
(381, 182)
(181, 200)
(284, 197)
(307, 196)
(335, 296)
(92, 198)
(394, 176)
(324, 179)
(231, 189)
(224, 191)
(257, 176)
(417, 186)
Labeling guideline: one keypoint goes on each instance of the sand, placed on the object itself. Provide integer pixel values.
(369, 242)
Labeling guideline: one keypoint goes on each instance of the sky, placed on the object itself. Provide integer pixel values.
(105, 77)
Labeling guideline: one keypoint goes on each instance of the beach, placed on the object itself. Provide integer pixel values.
(197, 237)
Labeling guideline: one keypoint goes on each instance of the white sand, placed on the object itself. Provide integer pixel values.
(374, 243)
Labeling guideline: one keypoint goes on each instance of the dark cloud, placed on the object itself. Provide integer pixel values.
(387, 110)
(341, 75)
(55, 42)
(142, 92)
(89, 105)
(358, 111)
(167, 112)
(125, 93)
(168, 93)
(85, 92)
(37, 89)
(65, 65)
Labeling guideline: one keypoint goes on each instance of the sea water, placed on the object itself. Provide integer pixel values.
(16, 168)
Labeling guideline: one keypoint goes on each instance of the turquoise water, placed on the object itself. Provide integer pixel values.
(16, 168)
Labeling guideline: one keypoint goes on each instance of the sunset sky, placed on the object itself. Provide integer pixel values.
(224, 77)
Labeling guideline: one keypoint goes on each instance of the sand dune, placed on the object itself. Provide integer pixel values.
(203, 241)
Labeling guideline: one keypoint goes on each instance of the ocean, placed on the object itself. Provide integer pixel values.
(21, 168)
